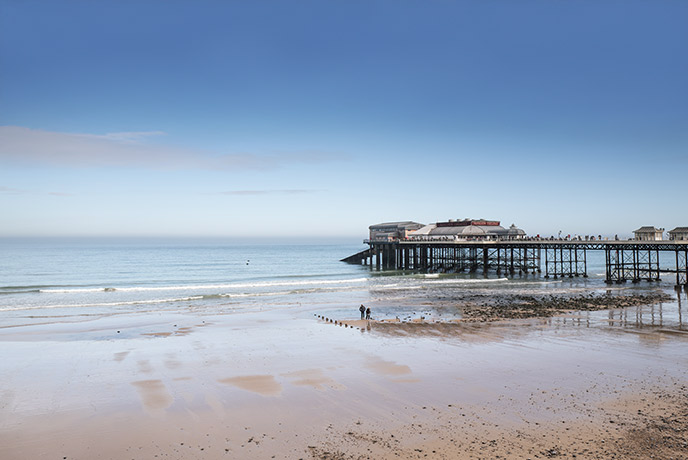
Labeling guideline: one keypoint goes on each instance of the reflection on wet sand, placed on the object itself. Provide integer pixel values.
(661, 317)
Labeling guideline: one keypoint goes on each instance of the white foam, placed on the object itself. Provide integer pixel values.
(196, 287)
(469, 281)
(397, 288)
(534, 282)
(102, 304)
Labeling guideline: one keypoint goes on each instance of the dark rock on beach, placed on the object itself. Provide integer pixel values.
(529, 306)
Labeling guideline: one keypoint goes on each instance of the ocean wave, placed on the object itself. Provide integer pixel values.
(205, 297)
(101, 304)
(468, 281)
(196, 287)
(25, 291)
(277, 293)
(30, 288)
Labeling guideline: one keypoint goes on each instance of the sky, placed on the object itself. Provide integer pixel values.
(319, 118)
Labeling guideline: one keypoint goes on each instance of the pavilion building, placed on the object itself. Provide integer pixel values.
(648, 233)
(679, 233)
(467, 229)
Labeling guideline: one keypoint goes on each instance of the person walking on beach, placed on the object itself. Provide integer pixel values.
(362, 309)
(368, 313)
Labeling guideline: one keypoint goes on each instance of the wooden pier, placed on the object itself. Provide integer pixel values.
(626, 260)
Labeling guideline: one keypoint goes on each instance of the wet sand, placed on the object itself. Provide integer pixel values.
(290, 384)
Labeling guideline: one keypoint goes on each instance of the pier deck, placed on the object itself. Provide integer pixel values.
(625, 260)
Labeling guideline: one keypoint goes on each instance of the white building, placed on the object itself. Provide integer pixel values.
(467, 229)
(679, 233)
(649, 234)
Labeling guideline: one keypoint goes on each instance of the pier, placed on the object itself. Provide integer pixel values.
(625, 260)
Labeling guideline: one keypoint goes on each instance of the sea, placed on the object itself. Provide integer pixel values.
(77, 280)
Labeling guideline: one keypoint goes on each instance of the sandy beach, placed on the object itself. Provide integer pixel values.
(291, 384)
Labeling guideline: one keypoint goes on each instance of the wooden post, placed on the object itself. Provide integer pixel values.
(608, 264)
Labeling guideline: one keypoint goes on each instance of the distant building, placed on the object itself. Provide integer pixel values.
(679, 233)
(649, 234)
(467, 229)
(389, 231)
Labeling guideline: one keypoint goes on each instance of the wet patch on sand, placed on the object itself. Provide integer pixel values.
(153, 394)
(6, 398)
(388, 368)
(264, 385)
(157, 334)
(145, 366)
(407, 380)
(314, 378)
(119, 357)
(172, 363)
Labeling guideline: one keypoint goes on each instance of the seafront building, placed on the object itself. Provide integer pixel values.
(648, 233)
(464, 229)
(390, 231)
(679, 233)
(467, 229)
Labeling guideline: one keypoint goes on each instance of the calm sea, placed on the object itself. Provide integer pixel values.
(67, 280)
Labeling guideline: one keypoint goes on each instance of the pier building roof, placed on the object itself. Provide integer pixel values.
(407, 224)
(648, 229)
(467, 229)
(467, 222)
(425, 230)
(515, 231)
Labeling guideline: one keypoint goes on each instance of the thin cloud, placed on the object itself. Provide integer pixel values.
(60, 194)
(33, 147)
(16, 191)
(269, 192)
(131, 137)
(10, 190)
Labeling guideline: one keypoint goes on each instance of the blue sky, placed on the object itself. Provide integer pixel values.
(319, 118)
